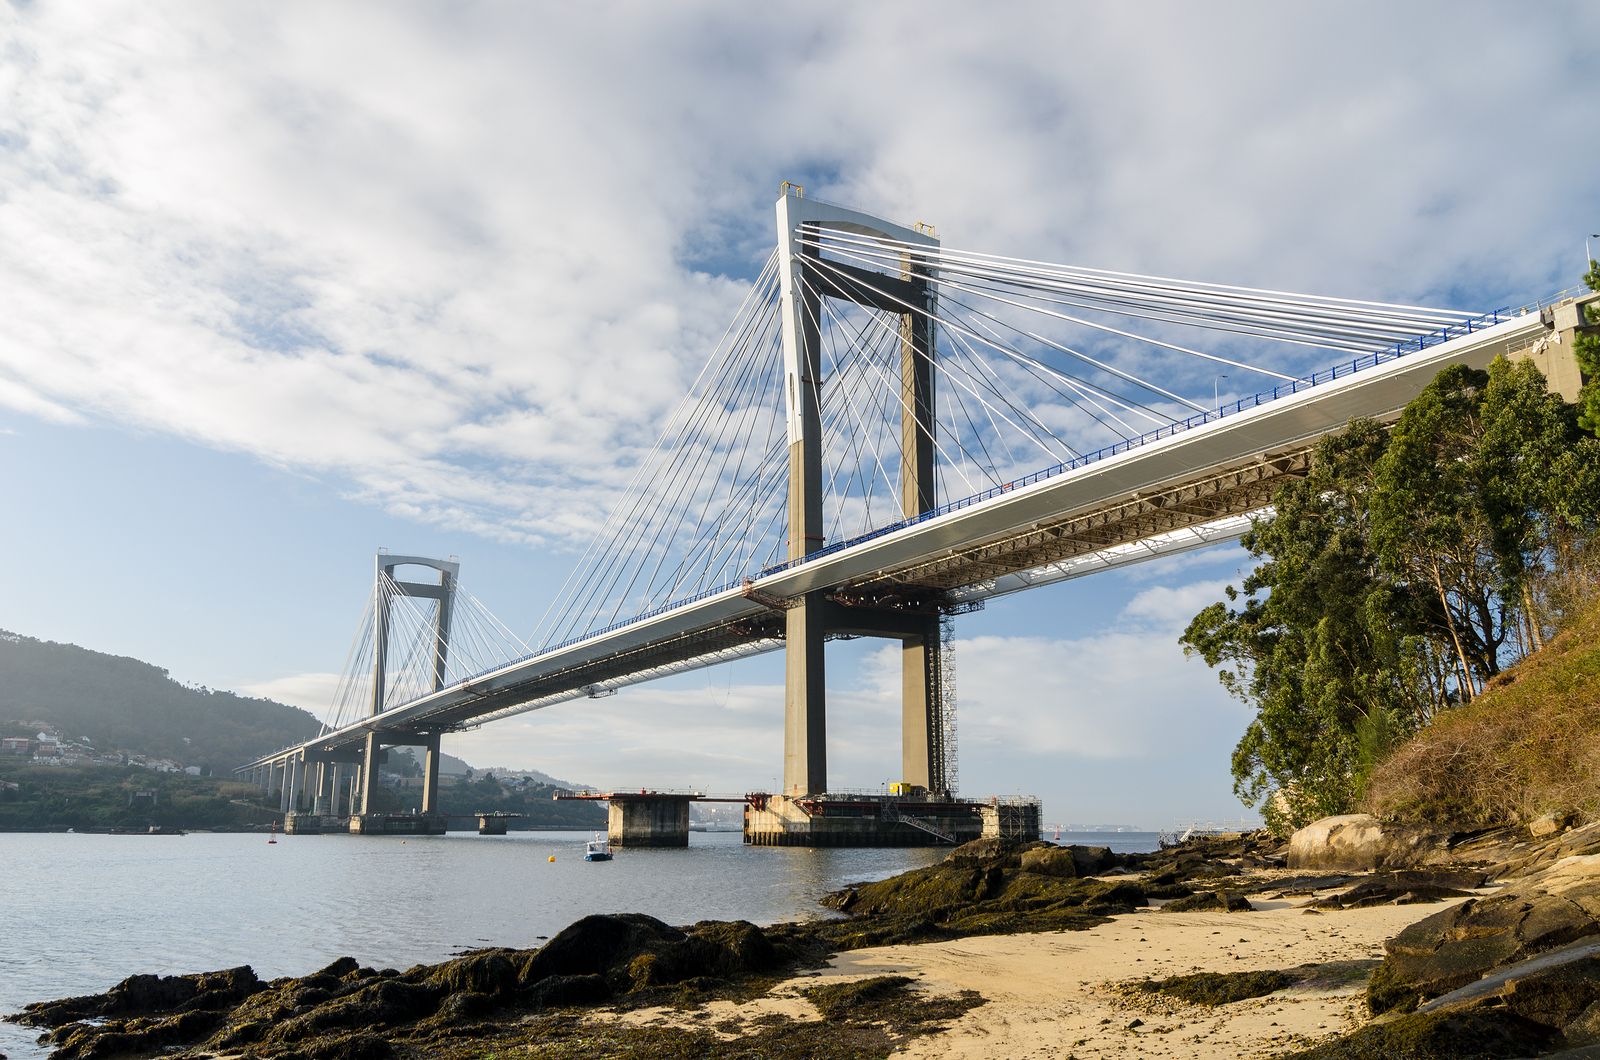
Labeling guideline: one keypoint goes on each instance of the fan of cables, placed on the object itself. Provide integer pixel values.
(1034, 364)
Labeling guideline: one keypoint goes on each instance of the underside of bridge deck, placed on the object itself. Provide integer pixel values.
(1234, 491)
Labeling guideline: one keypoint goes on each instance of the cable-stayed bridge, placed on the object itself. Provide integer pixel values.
(888, 433)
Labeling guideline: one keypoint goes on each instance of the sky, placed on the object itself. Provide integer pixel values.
(281, 284)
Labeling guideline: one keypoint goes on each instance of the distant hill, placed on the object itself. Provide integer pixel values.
(119, 703)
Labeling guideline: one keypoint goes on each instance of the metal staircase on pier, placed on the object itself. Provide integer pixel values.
(892, 815)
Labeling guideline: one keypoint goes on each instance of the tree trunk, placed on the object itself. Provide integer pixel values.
(1450, 624)
(1533, 616)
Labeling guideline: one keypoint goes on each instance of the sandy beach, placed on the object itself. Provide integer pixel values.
(1057, 994)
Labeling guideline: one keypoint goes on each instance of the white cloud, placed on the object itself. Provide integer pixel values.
(313, 691)
(464, 260)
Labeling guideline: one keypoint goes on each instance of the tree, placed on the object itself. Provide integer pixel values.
(1587, 351)
(1395, 579)
(1430, 525)
(1323, 644)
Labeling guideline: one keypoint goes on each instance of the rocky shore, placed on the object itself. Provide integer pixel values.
(1357, 941)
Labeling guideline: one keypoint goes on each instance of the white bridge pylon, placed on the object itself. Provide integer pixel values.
(891, 431)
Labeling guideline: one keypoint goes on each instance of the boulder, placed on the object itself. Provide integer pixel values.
(1550, 824)
(1050, 861)
(1461, 945)
(1359, 842)
(1211, 902)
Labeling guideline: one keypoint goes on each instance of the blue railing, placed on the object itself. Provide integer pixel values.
(1294, 386)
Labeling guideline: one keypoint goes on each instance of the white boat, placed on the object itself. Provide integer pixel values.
(597, 849)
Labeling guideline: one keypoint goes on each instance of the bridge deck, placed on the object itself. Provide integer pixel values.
(1175, 479)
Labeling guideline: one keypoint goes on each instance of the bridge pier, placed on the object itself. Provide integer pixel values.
(296, 781)
(861, 821)
(648, 819)
(430, 775)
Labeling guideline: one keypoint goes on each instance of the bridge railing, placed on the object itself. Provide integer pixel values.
(1294, 386)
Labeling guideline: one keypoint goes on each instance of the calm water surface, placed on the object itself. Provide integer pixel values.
(78, 913)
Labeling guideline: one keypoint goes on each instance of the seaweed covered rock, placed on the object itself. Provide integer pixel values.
(1463, 944)
(989, 849)
(971, 896)
(1359, 842)
(1439, 1036)
(1068, 861)
(603, 944)
(1210, 902)
(148, 995)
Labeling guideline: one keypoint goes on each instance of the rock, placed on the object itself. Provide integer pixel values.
(1050, 861)
(1461, 945)
(568, 990)
(1551, 824)
(990, 848)
(492, 972)
(1210, 901)
(1406, 887)
(1359, 841)
(148, 995)
(1556, 988)
(1515, 1011)
(1438, 1036)
(601, 944)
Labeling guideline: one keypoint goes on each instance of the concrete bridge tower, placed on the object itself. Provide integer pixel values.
(804, 282)
(386, 588)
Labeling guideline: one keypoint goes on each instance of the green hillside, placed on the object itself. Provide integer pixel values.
(123, 704)
(1525, 747)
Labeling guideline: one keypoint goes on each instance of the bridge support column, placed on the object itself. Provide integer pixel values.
(336, 791)
(283, 786)
(919, 662)
(805, 724)
(430, 775)
(319, 788)
(297, 771)
(370, 753)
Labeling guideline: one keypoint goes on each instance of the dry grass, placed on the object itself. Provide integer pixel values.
(1529, 745)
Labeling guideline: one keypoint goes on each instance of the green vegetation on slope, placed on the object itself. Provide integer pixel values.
(54, 798)
(123, 704)
(1399, 578)
(1528, 746)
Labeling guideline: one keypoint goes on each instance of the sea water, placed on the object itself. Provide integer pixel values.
(78, 913)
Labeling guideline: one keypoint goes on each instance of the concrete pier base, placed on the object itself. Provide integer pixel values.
(648, 820)
(1012, 819)
(397, 824)
(495, 823)
(304, 824)
(781, 821)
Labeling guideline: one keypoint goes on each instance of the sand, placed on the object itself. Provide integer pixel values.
(1055, 995)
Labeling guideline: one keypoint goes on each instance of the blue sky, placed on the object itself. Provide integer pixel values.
(282, 285)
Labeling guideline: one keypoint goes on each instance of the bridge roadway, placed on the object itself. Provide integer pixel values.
(1172, 489)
